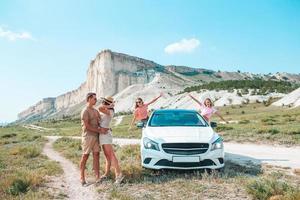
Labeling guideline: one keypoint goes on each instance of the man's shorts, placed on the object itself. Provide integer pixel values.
(90, 144)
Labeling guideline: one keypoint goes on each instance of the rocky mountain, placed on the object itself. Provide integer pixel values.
(126, 77)
(292, 99)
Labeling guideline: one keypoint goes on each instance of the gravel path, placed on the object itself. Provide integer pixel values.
(70, 178)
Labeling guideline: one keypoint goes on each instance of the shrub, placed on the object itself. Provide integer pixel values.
(9, 135)
(264, 189)
(273, 131)
(27, 151)
(18, 186)
(260, 85)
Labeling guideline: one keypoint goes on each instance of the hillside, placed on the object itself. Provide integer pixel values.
(127, 77)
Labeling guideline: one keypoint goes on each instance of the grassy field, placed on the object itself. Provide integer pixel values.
(23, 169)
(258, 123)
(236, 182)
(251, 123)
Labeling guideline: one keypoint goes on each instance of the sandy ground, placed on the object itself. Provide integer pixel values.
(69, 181)
(263, 154)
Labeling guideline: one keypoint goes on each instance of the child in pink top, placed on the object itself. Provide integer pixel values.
(207, 109)
(141, 110)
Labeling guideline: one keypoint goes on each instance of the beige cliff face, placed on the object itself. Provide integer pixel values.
(127, 77)
(46, 106)
(111, 72)
(108, 74)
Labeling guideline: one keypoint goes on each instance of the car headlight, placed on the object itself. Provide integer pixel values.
(217, 144)
(149, 144)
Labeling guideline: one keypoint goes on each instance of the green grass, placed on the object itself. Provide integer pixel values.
(255, 123)
(261, 124)
(244, 181)
(65, 127)
(264, 189)
(23, 169)
(258, 124)
(122, 129)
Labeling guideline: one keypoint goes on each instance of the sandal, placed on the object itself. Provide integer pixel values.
(102, 178)
(119, 179)
(83, 183)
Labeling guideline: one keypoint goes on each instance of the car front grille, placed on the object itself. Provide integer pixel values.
(185, 148)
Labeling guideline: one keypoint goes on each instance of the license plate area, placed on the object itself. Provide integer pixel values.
(186, 159)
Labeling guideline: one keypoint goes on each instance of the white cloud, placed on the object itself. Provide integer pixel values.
(13, 36)
(183, 46)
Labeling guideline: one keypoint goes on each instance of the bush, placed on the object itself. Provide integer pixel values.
(263, 86)
(9, 135)
(18, 186)
(273, 131)
(264, 189)
(26, 151)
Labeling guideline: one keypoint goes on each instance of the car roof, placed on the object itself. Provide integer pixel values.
(173, 110)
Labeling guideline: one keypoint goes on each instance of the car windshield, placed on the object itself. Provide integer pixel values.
(177, 118)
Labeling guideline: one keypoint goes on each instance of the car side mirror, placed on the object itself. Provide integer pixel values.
(140, 125)
(213, 124)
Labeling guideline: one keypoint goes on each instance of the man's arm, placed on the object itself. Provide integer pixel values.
(89, 127)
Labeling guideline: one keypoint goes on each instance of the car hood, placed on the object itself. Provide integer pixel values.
(180, 134)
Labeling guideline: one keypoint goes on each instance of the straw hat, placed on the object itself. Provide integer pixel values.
(108, 99)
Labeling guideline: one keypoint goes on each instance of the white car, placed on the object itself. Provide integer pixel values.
(180, 139)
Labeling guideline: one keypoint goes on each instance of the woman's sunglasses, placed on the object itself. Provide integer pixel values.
(139, 102)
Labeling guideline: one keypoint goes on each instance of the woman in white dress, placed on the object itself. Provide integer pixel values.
(106, 110)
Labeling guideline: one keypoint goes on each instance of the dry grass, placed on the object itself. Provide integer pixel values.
(233, 183)
(22, 166)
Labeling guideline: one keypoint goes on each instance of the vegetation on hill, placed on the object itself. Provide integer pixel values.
(262, 86)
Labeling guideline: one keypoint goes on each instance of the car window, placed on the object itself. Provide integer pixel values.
(177, 118)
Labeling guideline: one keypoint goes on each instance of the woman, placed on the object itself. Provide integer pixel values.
(141, 110)
(107, 111)
(207, 110)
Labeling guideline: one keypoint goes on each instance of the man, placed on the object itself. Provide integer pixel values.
(90, 136)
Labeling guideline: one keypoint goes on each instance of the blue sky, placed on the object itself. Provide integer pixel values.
(46, 46)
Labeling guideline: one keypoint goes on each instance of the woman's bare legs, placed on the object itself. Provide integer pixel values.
(111, 159)
(107, 164)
